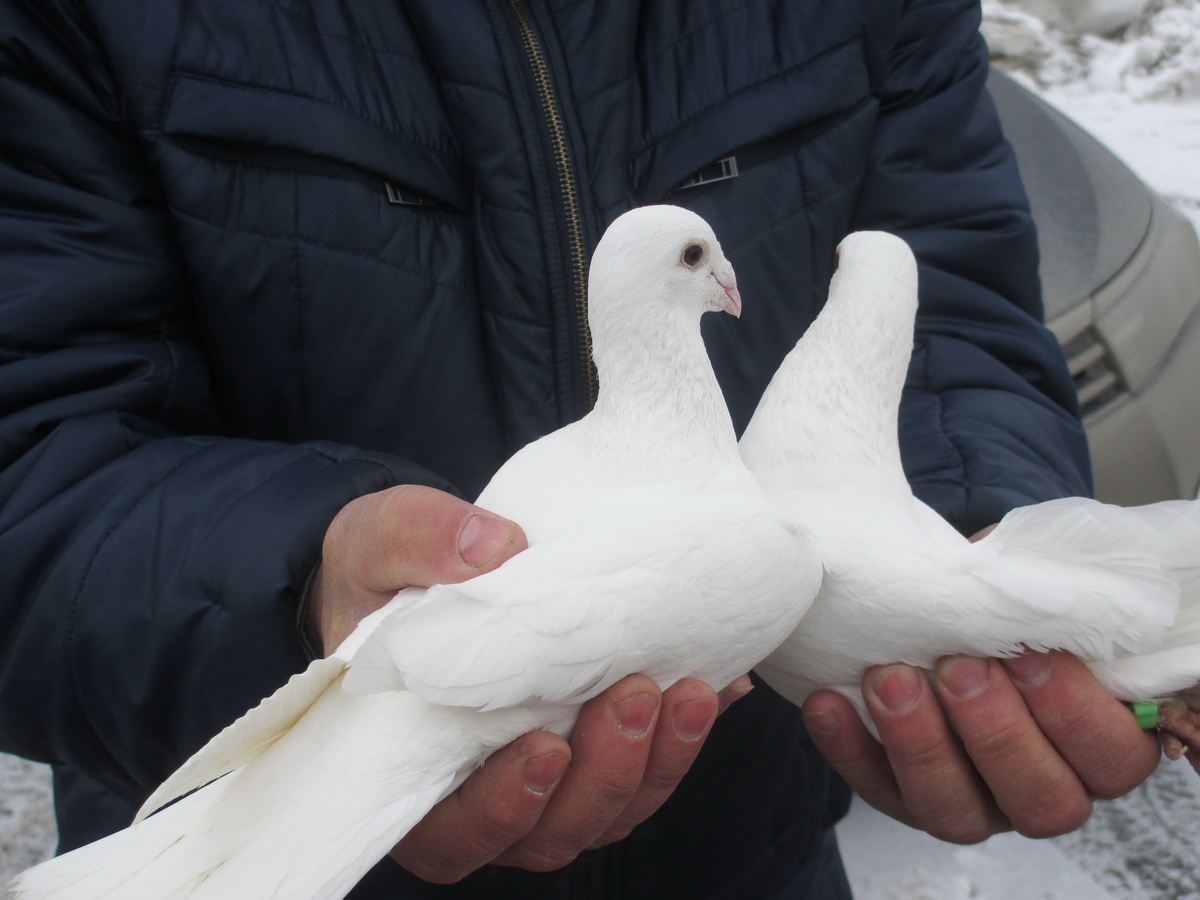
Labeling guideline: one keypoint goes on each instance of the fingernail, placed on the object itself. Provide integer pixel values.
(635, 714)
(823, 721)
(964, 677)
(693, 718)
(898, 688)
(1029, 669)
(543, 772)
(481, 538)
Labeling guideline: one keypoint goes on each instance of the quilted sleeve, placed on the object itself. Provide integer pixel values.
(150, 566)
(990, 419)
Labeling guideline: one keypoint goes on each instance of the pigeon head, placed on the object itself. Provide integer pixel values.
(655, 272)
(655, 262)
(873, 294)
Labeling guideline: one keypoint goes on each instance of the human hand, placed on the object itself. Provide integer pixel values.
(987, 747)
(540, 801)
(401, 537)
(1021, 745)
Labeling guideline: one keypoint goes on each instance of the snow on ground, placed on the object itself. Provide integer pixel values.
(1145, 846)
(27, 832)
(1139, 92)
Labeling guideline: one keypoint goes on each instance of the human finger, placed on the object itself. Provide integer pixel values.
(610, 749)
(1094, 732)
(839, 734)
(1036, 788)
(493, 809)
(688, 711)
(942, 791)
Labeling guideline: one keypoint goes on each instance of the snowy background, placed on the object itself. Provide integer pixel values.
(1129, 72)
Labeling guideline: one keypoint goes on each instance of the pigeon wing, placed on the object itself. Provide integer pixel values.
(572, 615)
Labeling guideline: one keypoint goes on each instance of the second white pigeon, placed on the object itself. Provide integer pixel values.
(652, 549)
(1119, 587)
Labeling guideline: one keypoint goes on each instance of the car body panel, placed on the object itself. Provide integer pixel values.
(1121, 279)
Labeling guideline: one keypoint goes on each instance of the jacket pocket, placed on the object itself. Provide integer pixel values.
(270, 127)
(785, 111)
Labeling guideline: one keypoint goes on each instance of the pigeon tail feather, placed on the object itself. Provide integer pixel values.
(1131, 576)
(320, 838)
(251, 735)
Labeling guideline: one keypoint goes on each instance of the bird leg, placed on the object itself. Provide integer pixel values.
(1179, 727)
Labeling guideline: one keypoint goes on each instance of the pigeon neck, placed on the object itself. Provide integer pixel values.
(657, 377)
(830, 415)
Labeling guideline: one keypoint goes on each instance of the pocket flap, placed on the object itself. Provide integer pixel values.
(265, 125)
(786, 107)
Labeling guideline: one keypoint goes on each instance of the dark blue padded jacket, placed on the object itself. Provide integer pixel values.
(259, 257)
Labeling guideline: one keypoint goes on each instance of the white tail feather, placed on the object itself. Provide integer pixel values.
(212, 843)
(1114, 581)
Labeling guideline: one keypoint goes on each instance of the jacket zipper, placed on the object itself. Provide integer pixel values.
(570, 205)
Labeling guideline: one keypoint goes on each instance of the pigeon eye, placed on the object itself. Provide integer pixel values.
(693, 255)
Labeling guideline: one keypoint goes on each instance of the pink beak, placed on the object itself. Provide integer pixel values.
(732, 303)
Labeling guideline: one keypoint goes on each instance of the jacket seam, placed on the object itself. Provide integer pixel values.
(281, 37)
(923, 321)
(301, 341)
(347, 38)
(726, 99)
(341, 461)
(496, 204)
(482, 88)
(1051, 464)
(687, 35)
(510, 317)
(180, 74)
(172, 374)
(85, 574)
(307, 241)
(665, 48)
(963, 501)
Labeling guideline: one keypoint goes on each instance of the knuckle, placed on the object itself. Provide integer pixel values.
(970, 826)
(1118, 780)
(660, 780)
(1058, 815)
(1078, 718)
(612, 789)
(502, 825)
(433, 870)
(920, 753)
(1001, 739)
(540, 857)
(961, 832)
(611, 836)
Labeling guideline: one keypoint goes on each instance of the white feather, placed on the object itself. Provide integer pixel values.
(652, 549)
(1116, 586)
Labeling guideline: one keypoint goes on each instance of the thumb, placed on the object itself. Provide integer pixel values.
(414, 535)
(401, 537)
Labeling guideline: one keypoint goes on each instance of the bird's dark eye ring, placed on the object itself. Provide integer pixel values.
(693, 255)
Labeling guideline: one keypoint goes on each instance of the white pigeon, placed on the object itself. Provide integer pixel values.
(651, 549)
(1119, 587)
